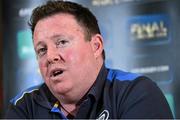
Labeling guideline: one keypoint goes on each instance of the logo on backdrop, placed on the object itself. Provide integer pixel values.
(148, 28)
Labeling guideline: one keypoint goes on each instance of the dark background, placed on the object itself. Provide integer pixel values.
(1, 78)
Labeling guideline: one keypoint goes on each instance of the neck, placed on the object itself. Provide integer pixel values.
(69, 109)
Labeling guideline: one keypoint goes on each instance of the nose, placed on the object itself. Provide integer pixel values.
(53, 56)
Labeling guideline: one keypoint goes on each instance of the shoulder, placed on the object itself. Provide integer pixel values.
(126, 81)
(133, 87)
(136, 96)
(119, 75)
(30, 92)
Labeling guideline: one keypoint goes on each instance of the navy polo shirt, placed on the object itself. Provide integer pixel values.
(115, 94)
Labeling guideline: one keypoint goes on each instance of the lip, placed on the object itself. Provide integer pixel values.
(52, 71)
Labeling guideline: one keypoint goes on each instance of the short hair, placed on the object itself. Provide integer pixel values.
(83, 16)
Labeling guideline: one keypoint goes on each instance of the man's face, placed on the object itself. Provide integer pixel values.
(67, 61)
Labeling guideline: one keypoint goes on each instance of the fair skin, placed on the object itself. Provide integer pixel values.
(68, 63)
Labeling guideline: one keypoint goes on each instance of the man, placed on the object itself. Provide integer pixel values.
(70, 54)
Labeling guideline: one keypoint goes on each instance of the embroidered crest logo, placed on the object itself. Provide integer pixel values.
(104, 115)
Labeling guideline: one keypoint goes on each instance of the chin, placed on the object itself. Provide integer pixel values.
(61, 89)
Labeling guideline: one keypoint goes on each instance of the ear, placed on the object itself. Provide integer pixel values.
(97, 45)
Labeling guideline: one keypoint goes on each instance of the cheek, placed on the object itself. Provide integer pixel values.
(70, 56)
(75, 56)
(42, 67)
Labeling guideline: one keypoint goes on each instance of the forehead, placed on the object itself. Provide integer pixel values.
(55, 24)
(58, 20)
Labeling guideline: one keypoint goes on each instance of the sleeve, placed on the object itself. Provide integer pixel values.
(144, 99)
(15, 112)
(21, 106)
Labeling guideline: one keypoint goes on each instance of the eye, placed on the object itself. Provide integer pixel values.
(41, 51)
(62, 43)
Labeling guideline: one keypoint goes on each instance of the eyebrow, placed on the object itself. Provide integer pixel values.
(52, 37)
(56, 36)
(39, 43)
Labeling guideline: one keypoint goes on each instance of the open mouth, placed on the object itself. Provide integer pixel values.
(56, 73)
